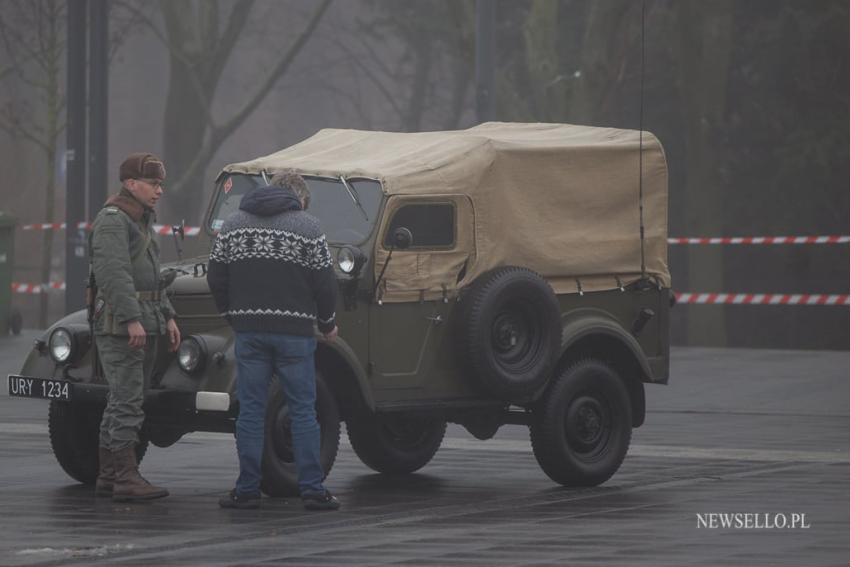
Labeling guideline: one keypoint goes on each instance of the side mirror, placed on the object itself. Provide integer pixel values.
(402, 238)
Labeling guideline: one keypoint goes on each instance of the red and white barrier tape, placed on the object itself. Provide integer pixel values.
(157, 228)
(49, 226)
(763, 240)
(686, 298)
(838, 239)
(762, 299)
(36, 289)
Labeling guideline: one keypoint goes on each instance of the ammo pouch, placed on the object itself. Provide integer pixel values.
(103, 310)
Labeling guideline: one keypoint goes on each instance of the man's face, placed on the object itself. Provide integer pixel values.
(147, 191)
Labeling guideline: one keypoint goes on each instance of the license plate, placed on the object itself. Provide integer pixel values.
(27, 387)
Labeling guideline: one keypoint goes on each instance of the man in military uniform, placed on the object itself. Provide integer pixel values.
(131, 314)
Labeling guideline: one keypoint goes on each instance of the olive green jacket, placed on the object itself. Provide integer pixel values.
(125, 261)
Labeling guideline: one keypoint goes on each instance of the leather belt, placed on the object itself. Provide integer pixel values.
(148, 295)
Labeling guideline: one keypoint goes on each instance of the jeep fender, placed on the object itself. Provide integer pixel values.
(344, 374)
(592, 332)
(38, 364)
(41, 364)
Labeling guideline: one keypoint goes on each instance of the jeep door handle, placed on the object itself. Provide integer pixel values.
(437, 319)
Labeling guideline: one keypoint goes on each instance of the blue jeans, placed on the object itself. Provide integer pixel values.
(260, 356)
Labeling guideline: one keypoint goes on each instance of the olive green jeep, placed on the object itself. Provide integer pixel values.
(504, 274)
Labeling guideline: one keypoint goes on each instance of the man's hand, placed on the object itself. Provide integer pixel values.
(331, 335)
(137, 335)
(173, 335)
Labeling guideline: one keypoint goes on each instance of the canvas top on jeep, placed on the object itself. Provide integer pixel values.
(561, 199)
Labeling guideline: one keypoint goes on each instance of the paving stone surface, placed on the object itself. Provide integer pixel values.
(737, 431)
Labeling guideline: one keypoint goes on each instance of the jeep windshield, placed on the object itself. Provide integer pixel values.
(347, 209)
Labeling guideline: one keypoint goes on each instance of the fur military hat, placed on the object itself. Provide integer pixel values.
(142, 166)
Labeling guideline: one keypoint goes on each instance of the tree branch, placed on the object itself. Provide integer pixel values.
(218, 134)
(147, 22)
(373, 77)
(175, 29)
(14, 128)
(235, 25)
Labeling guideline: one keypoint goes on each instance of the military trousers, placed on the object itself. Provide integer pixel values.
(126, 370)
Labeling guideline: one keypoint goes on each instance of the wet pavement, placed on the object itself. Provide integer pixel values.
(737, 432)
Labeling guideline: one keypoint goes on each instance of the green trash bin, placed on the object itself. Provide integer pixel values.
(10, 319)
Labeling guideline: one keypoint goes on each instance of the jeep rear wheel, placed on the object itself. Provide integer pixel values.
(74, 437)
(583, 425)
(511, 332)
(395, 444)
(280, 476)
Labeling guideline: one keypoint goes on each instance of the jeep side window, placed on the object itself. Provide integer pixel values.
(432, 226)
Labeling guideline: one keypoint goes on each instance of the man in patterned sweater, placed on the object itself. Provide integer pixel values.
(271, 275)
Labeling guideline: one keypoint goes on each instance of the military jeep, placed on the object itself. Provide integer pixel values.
(504, 274)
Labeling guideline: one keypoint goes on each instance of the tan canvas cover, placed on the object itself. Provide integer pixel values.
(560, 199)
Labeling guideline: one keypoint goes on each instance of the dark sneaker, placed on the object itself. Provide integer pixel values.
(320, 501)
(240, 501)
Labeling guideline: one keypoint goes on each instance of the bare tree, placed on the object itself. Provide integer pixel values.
(705, 43)
(417, 58)
(33, 36)
(200, 42)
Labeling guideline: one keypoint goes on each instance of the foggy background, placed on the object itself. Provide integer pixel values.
(751, 100)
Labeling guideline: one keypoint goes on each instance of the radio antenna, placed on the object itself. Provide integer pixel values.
(640, 150)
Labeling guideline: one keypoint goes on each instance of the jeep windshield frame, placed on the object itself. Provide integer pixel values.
(344, 220)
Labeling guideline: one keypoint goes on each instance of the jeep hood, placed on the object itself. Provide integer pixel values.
(186, 282)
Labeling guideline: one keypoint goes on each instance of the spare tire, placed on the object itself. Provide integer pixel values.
(510, 332)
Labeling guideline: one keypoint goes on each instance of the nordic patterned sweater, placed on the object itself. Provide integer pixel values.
(270, 269)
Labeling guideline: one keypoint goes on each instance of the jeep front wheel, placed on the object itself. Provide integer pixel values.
(395, 444)
(280, 475)
(74, 431)
(583, 425)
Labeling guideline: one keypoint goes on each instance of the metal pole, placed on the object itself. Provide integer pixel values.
(485, 11)
(75, 193)
(98, 103)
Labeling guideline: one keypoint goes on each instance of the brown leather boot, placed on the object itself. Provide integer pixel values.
(129, 484)
(106, 474)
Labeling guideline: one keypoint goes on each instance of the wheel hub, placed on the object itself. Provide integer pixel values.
(511, 336)
(282, 435)
(585, 424)
(405, 433)
(507, 335)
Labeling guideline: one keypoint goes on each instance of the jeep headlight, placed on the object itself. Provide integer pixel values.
(61, 345)
(191, 355)
(346, 260)
(350, 260)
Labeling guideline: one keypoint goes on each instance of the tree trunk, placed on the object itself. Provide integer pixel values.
(705, 48)
(48, 237)
(185, 126)
(603, 52)
(419, 90)
(53, 92)
(541, 31)
(463, 68)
